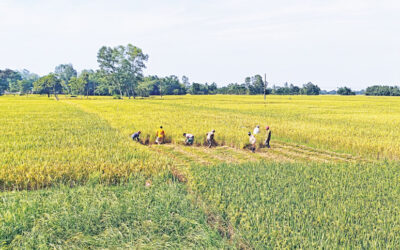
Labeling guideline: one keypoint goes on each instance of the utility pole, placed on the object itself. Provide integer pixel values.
(265, 85)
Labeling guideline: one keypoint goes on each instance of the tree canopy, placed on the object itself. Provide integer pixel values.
(383, 90)
(345, 91)
(121, 73)
(7, 78)
(49, 84)
(122, 67)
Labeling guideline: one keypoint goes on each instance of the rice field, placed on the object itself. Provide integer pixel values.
(330, 178)
(306, 206)
(359, 125)
(100, 216)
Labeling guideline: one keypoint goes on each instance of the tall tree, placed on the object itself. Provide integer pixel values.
(101, 85)
(134, 62)
(345, 91)
(8, 77)
(25, 86)
(49, 84)
(85, 82)
(310, 89)
(123, 66)
(65, 72)
(77, 86)
(185, 81)
(107, 58)
(257, 85)
(27, 75)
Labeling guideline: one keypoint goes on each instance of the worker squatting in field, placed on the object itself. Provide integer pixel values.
(135, 136)
(189, 139)
(253, 140)
(160, 135)
(210, 137)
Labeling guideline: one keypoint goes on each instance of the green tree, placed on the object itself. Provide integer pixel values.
(84, 77)
(99, 82)
(185, 81)
(8, 77)
(107, 58)
(310, 89)
(123, 66)
(378, 90)
(294, 90)
(25, 86)
(143, 90)
(151, 84)
(13, 86)
(213, 88)
(81, 85)
(49, 84)
(77, 86)
(345, 91)
(172, 86)
(26, 75)
(65, 72)
(256, 85)
(199, 89)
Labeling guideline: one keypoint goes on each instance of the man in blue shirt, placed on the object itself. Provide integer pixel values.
(136, 136)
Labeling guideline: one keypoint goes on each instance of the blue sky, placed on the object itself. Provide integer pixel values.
(331, 43)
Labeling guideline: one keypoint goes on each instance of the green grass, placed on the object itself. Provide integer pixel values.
(306, 206)
(99, 216)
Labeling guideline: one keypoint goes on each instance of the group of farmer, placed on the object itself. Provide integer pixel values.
(253, 139)
(189, 138)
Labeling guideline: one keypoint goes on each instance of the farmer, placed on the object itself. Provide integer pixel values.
(160, 135)
(268, 137)
(210, 138)
(136, 136)
(189, 138)
(256, 130)
(252, 140)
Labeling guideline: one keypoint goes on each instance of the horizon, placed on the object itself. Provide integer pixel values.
(333, 44)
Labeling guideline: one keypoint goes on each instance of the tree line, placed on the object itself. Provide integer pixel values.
(383, 90)
(120, 74)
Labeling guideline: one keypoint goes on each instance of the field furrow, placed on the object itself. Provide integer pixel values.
(193, 153)
(321, 154)
(302, 155)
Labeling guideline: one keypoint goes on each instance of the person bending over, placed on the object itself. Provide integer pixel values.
(252, 140)
(210, 138)
(160, 136)
(189, 139)
(136, 136)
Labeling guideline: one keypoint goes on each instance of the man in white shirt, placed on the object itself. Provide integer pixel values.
(256, 130)
(189, 139)
(210, 138)
(252, 140)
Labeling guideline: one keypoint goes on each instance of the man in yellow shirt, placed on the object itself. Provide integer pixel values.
(160, 135)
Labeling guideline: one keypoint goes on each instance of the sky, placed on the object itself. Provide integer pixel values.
(331, 43)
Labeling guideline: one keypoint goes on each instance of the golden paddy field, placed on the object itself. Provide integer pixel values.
(331, 178)
(46, 141)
